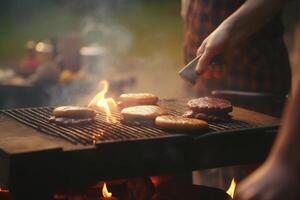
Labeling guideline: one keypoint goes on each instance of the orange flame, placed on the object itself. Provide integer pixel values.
(105, 104)
(105, 192)
(231, 189)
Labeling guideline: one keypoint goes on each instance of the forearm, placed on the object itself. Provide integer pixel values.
(287, 145)
(251, 16)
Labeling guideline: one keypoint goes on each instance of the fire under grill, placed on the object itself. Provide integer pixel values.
(101, 131)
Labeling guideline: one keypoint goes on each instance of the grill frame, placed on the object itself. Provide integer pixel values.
(63, 163)
(100, 131)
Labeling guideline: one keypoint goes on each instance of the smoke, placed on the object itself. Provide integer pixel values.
(108, 38)
(116, 37)
(72, 94)
(143, 46)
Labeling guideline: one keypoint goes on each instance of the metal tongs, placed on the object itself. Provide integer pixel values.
(189, 73)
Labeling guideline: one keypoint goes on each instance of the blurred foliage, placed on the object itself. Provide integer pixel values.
(154, 24)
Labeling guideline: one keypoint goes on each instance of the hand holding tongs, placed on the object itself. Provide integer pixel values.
(189, 71)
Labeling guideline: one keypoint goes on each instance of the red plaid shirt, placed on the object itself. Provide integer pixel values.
(259, 64)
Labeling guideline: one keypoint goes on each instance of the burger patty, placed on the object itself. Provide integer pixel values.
(72, 115)
(179, 123)
(209, 105)
(144, 112)
(135, 99)
(70, 121)
(73, 112)
(206, 117)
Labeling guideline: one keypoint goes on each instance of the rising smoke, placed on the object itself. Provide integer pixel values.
(145, 48)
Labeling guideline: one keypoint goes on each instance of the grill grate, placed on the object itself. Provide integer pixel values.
(102, 132)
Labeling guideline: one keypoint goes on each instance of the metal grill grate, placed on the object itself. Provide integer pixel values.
(101, 131)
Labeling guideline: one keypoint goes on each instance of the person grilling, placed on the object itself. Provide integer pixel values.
(245, 37)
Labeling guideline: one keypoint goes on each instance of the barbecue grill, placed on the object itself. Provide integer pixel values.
(101, 131)
(34, 151)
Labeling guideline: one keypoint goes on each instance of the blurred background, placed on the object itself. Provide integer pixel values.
(56, 51)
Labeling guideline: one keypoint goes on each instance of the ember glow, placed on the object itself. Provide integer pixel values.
(105, 192)
(231, 189)
(104, 104)
(2, 190)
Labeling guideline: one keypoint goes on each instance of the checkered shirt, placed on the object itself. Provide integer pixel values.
(258, 64)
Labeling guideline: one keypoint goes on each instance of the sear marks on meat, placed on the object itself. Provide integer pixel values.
(72, 115)
(209, 105)
(209, 109)
(71, 121)
(206, 117)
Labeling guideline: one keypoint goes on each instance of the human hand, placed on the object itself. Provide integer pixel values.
(217, 43)
(272, 181)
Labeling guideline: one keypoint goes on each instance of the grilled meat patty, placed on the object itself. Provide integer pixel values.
(70, 121)
(72, 115)
(206, 117)
(209, 105)
(209, 109)
(146, 112)
(73, 112)
(134, 99)
(179, 123)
